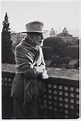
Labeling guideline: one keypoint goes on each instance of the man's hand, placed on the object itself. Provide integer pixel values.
(39, 69)
(45, 75)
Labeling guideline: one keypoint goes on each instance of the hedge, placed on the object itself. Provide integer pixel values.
(72, 51)
(47, 51)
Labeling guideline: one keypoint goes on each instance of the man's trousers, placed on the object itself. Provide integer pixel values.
(26, 111)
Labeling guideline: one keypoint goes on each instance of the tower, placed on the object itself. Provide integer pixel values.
(52, 32)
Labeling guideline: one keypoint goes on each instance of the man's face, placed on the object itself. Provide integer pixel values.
(37, 38)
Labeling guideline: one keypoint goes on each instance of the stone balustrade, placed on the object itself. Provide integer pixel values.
(60, 99)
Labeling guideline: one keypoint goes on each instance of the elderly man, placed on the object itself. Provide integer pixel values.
(28, 85)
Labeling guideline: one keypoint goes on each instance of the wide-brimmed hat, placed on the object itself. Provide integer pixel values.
(35, 26)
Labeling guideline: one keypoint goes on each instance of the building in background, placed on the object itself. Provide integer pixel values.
(65, 35)
(16, 38)
(52, 32)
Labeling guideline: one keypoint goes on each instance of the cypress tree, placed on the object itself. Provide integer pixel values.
(7, 53)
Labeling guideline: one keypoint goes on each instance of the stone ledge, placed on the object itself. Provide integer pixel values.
(61, 73)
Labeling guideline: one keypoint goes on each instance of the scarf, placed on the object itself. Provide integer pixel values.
(29, 57)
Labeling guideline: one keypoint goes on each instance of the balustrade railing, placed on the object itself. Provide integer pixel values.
(59, 101)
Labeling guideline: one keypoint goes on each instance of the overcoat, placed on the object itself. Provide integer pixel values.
(27, 82)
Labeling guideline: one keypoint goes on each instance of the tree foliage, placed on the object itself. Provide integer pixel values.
(56, 43)
(7, 53)
(47, 52)
(72, 51)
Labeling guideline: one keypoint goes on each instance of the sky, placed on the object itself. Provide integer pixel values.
(57, 14)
